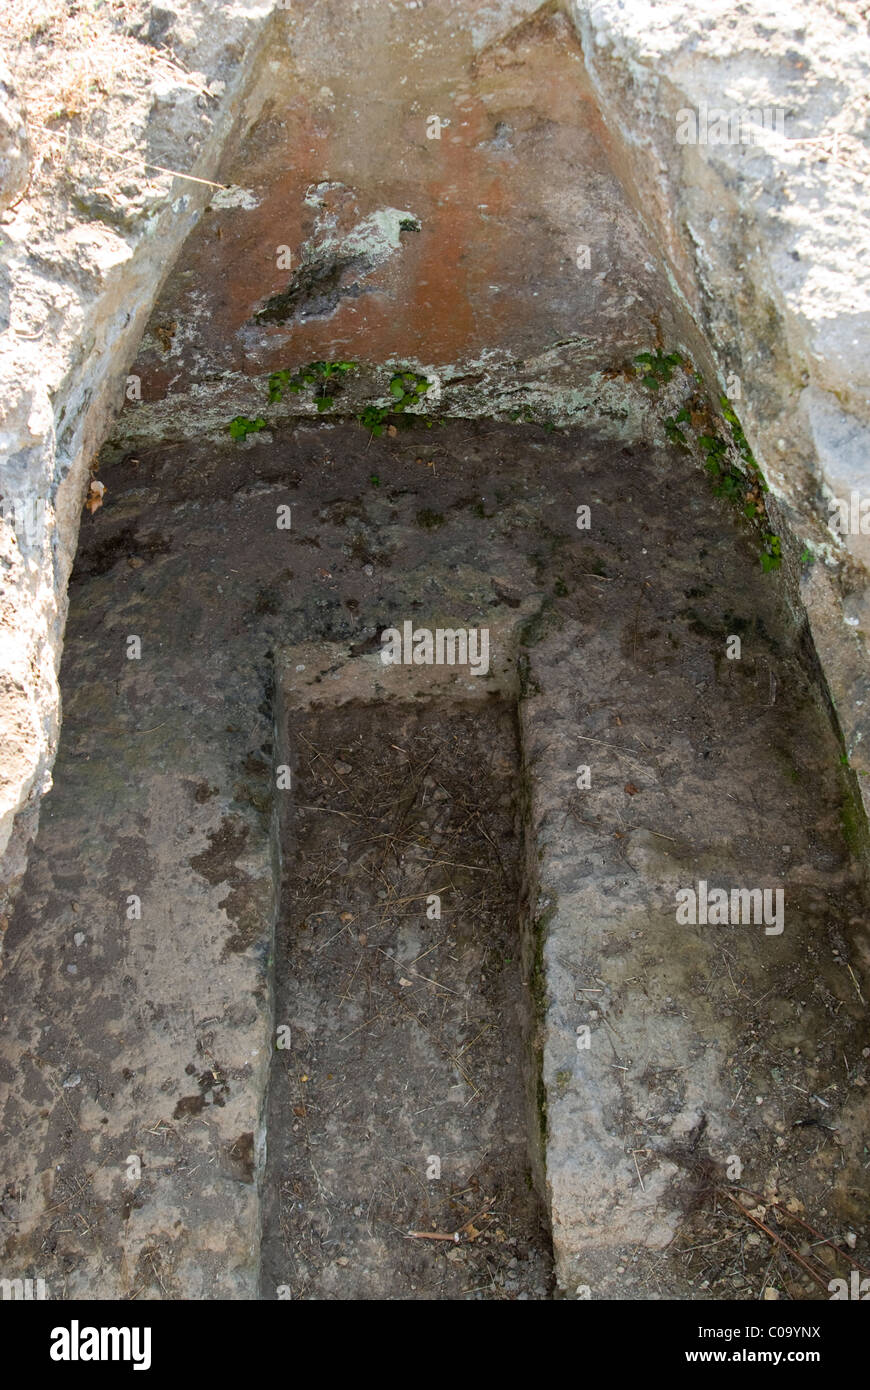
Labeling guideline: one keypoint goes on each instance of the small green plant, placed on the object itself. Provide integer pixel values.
(844, 759)
(241, 426)
(728, 481)
(321, 375)
(742, 443)
(374, 480)
(771, 554)
(375, 419)
(731, 463)
(658, 367)
(277, 383)
(406, 388)
(807, 556)
(672, 428)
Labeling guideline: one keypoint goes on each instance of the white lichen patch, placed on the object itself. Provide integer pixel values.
(235, 197)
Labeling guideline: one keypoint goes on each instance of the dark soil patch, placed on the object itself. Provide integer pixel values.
(406, 1041)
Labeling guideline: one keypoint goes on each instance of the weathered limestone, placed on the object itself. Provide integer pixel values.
(150, 1035)
(14, 150)
(80, 276)
(766, 246)
(519, 259)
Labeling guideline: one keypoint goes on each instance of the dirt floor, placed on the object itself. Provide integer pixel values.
(399, 1106)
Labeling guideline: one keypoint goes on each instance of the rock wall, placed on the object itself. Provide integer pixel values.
(86, 244)
(762, 245)
(765, 244)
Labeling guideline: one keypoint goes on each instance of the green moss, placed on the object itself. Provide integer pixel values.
(538, 975)
(771, 554)
(538, 984)
(657, 368)
(528, 686)
(535, 628)
(731, 464)
(542, 1111)
(741, 442)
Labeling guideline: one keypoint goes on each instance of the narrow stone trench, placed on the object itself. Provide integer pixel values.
(397, 1104)
(152, 1032)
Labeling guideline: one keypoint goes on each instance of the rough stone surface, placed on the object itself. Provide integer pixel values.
(766, 244)
(480, 289)
(706, 1042)
(151, 1036)
(14, 151)
(763, 247)
(83, 257)
(461, 258)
